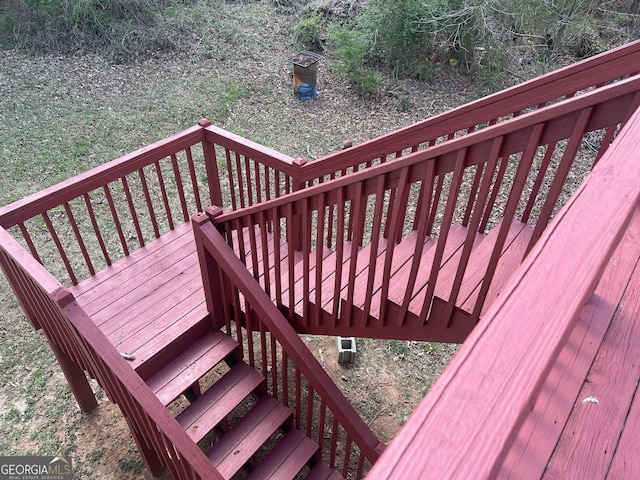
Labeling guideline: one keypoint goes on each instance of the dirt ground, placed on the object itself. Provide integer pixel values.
(62, 115)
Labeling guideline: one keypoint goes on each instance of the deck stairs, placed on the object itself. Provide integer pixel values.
(362, 306)
(251, 431)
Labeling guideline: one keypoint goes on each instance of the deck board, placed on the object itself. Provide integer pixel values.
(149, 299)
(590, 437)
(533, 447)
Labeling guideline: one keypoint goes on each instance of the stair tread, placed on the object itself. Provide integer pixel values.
(287, 458)
(510, 259)
(219, 400)
(246, 437)
(322, 471)
(178, 375)
(478, 261)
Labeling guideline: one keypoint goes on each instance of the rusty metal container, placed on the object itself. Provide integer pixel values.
(305, 74)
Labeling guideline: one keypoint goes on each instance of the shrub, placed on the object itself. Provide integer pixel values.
(307, 32)
(351, 51)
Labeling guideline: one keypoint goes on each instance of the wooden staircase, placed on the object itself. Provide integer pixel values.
(379, 303)
(251, 432)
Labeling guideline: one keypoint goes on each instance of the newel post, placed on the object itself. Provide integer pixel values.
(297, 183)
(211, 165)
(209, 268)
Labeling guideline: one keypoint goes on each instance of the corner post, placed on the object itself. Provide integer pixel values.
(211, 165)
(209, 269)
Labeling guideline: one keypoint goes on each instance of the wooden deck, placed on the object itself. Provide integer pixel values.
(150, 300)
(584, 423)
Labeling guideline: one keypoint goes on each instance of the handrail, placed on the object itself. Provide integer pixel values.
(534, 94)
(492, 386)
(226, 278)
(334, 213)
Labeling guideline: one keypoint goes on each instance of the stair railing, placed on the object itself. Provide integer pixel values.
(535, 94)
(294, 375)
(526, 159)
(79, 346)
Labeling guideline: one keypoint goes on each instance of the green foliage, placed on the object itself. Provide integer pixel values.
(63, 25)
(122, 30)
(351, 51)
(307, 32)
(403, 34)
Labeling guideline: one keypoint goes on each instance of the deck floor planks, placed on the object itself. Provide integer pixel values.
(626, 462)
(590, 436)
(529, 454)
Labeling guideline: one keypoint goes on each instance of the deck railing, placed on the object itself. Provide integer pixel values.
(84, 224)
(527, 160)
(495, 387)
(538, 93)
(270, 344)
(80, 346)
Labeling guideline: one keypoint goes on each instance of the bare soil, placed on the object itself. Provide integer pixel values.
(62, 115)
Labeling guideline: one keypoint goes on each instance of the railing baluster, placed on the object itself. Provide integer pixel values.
(263, 344)
(495, 189)
(454, 189)
(356, 243)
(321, 426)
(560, 177)
(472, 193)
(29, 240)
(165, 197)
(374, 246)
(249, 178)
(180, 187)
(339, 256)
(306, 254)
(334, 442)
(422, 234)
(434, 206)
(320, 245)
(194, 179)
(290, 261)
(274, 366)
(61, 251)
(149, 203)
(526, 161)
(347, 457)
(132, 211)
(395, 221)
(309, 420)
(277, 261)
(467, 248)
(78, 235)
(542, 171)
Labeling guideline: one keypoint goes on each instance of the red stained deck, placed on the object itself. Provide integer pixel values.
(381, 241)
(585, 419)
